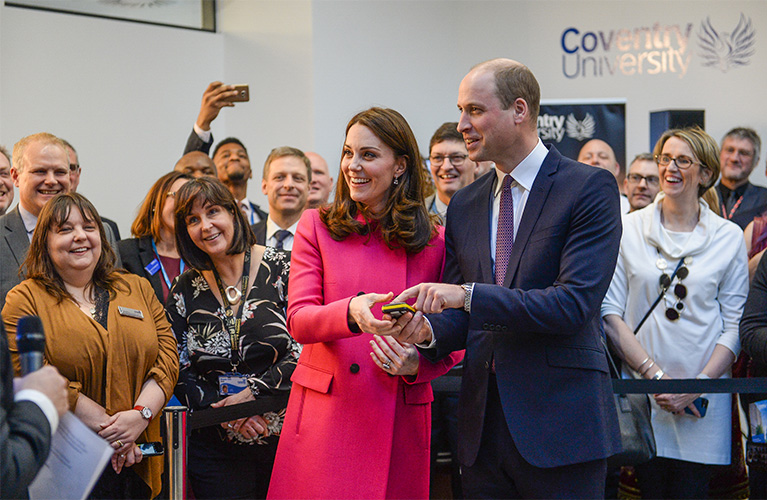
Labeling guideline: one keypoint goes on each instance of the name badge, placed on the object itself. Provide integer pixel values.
(153, 267)
(131, 313)
(231, 383)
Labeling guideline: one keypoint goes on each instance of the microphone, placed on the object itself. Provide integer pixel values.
(30, 340)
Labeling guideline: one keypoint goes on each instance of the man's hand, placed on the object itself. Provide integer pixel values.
(49, 381)
(433, 297)
(213, 99)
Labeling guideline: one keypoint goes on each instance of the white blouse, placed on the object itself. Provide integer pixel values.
(717, 285)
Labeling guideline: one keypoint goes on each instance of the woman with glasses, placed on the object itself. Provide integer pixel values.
(152, 252)
(672, 311)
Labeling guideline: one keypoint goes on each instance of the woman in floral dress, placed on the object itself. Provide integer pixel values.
(228, 314)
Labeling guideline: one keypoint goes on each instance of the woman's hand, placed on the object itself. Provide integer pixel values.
(361, 315)
(237, 425)
(676, 403)
(122, 429)
(128, 459)
(394, 358)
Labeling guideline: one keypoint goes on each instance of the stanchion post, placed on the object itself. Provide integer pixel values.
(175, 450)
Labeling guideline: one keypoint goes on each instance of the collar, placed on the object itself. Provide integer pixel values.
(439, 207)
(29, 220)
(272, 227)
(525, 173)
(245, 203)
(738, 191)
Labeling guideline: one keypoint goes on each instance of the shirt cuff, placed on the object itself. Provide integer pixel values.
(45, 404)
(433, 342)
(204, 135)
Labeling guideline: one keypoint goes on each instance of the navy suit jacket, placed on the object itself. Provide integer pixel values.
(25, 434)
(259, 229)
(543, 325)
(136, 254)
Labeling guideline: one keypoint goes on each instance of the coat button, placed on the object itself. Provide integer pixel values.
(484, 326)
(354, 368)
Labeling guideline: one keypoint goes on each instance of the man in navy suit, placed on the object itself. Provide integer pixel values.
(536, 413)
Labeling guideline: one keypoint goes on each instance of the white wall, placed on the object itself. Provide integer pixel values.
(411, 56)
(126, 94)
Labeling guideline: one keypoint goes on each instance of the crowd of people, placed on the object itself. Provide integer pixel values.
(518, 263)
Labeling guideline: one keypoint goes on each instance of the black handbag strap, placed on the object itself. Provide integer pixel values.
(664, 289)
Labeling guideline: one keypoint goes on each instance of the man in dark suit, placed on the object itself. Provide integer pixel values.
(286, 181)
(533, 249)
(230, 156)
(29, 415)
(40, 171)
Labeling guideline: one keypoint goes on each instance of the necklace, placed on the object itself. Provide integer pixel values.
(233, 295)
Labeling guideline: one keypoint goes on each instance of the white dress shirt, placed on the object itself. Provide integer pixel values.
(272, 227)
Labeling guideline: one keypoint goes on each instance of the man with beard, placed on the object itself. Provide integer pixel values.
(230, 156)
(740, 200)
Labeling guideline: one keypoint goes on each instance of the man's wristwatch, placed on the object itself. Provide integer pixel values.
(145, 412)
(468, 289)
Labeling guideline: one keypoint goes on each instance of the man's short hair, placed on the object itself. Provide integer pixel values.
(746, 133)
(5, 153)
(287, 151)
(21, 147)
(228, 140)
(512, 81)
(448, 131)
(643, 157)
(67, 144)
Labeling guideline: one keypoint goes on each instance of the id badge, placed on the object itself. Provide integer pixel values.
(231, 383)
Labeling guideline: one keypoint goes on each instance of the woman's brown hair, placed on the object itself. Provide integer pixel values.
(149, 221)
(208, 191)
(405, 221)
(38, 263)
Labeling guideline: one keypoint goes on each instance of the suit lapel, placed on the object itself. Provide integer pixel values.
(16, 236)
(146, 256)
(533, 208)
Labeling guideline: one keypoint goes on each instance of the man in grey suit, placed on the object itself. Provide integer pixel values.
(40, 171)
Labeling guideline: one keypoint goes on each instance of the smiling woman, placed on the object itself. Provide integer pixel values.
(106, 332)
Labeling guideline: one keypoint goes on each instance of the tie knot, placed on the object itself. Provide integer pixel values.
(507, 180)
(281, 235)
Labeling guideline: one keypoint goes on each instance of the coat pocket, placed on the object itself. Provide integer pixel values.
(312, 378)
(586, 358)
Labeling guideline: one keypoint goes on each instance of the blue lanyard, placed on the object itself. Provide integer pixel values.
(162, 268)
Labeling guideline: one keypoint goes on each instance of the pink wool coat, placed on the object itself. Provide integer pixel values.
(351, 430)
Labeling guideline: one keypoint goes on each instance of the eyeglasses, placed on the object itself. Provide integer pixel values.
(680, 292)
(74, 167)
(651, 180)
(172, 194)
(682, 162)
(457, 160)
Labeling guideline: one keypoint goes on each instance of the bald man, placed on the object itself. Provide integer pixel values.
(598, 153)
(197, 164)
(322, 182)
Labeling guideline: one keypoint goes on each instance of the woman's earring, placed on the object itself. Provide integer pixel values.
(396, 181)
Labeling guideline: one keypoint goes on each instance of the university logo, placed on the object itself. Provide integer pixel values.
(580, 130)
(723, 50)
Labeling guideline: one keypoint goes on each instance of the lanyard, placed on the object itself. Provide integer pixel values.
(162, 268)
(732, 211)
(232, 323)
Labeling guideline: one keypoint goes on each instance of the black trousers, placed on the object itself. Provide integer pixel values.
(669, 478)
(500, 471)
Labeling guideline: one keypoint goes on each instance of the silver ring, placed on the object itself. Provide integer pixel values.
(122, 456)
(386, 366)
(229, 425)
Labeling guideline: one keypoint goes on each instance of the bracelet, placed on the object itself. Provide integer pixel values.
(644, 372)
(642, 363)
(658, 375)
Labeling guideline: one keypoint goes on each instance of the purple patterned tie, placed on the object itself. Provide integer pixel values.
(505, 234)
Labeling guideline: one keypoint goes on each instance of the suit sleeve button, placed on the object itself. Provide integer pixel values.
(504, 328)
(355, 368)
(484, 326)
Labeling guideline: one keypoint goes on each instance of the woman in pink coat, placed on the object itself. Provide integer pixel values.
(358, 421)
